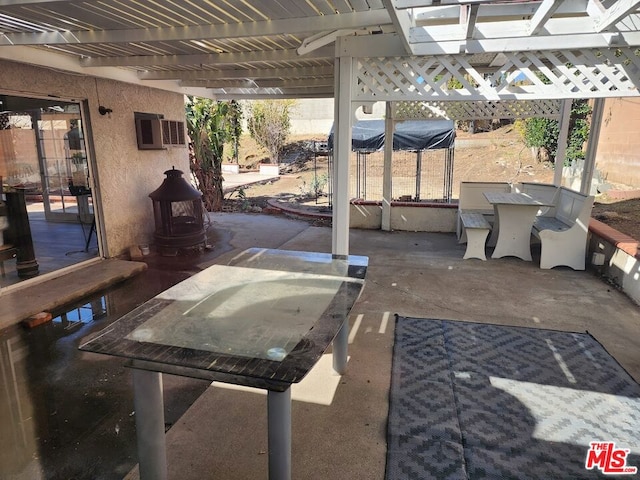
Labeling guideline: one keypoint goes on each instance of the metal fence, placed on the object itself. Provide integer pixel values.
(416, 176)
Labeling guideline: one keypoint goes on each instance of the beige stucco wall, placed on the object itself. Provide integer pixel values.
(618, 154)
(365, 216)
(124, 175)
(411, 218)
(423, 219)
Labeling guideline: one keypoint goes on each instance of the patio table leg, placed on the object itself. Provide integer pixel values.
(149, 408)
(514, 237)
(340, 347)
(279, 426)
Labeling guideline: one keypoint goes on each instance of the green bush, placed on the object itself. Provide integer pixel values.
(542, 133)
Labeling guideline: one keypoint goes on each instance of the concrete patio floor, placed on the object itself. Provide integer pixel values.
(339, 427)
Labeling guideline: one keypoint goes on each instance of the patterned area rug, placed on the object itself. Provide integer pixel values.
(477, 401)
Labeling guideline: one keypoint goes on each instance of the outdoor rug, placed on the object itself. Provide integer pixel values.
(478, 401)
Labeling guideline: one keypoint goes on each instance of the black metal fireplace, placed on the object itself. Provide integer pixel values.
(178, 216)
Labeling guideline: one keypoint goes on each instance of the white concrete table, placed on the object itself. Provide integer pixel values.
(514, 217)
(263, 322)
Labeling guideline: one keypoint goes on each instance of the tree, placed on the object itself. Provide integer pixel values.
(269, 124)
(210, 124)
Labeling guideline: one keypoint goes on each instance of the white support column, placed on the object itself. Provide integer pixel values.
(565, 117)
(279, 434)
(389, 124)
(341, 154)
(149, 407)
(592, 146)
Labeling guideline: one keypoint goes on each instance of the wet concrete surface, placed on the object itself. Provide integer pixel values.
(67, 414)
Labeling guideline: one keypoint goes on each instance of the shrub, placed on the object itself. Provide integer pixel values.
(269, 124)
(542, 133)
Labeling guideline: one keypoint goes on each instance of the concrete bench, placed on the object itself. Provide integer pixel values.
(477, 229)
(563, 237)
(472, 200)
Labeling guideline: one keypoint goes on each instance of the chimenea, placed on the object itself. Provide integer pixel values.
(178, 216)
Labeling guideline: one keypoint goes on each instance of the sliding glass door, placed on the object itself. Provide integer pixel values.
(44, 157)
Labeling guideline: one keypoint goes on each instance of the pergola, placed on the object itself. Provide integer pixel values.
(518, 56)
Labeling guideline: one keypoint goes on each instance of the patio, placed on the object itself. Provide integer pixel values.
(222, 432)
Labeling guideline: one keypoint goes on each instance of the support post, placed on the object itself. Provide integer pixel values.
(341, 348)
(592, 146)
(149, 407)
(387, 187)
(561, 152)
(341, 154)
(279, 426)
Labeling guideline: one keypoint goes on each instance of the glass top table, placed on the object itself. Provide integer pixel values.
(263, 320)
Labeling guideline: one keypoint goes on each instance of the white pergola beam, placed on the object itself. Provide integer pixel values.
(615, 13)
(222, 84)
(526, 43)
(237, 73)
(430, 3)
(321, 39)
(22, 3)
(291, 92)
(543, 13)
(54, 60)
(202, 32)
(402, 21)
(508, 30)
(468, 18)
(289, 85)
(488, 12)
(306, 83)
(389, 45)
(289, 55)
(268, 96)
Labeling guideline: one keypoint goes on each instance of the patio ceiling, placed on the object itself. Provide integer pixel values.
(285, 48)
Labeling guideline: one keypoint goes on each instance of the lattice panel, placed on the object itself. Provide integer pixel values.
(477, 110)
(523, 76)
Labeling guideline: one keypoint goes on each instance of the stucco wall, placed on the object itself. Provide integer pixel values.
(124, 175)
(618, 157)
(413, 217)
(423, 219)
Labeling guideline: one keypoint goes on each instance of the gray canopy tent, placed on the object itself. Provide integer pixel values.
(368, 136)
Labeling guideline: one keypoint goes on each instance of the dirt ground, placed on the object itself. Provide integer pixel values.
(499, 155)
